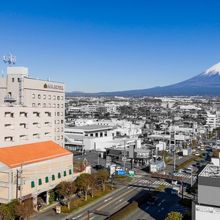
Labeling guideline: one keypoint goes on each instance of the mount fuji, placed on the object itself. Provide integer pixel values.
(205, 84)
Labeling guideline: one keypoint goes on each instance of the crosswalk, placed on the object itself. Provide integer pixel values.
(153, 183)
(184, 175)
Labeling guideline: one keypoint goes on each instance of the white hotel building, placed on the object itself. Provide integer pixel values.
(31, 110)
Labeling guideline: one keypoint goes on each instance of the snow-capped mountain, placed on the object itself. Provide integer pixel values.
(215, 69)
(205, 84)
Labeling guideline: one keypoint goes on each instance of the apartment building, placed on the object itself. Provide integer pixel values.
(17, 88)
(31, 170)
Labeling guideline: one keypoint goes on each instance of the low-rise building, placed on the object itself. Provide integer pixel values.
(30, 170)
(207, 205)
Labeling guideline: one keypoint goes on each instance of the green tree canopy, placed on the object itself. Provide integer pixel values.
(174, 216)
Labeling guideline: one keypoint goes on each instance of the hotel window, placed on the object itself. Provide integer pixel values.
(59, 175)
(64, 173)
(54, 105)
(39, 96)
(61, 97)
(61, 121)
(58, 97)
(54, 97)
(32, 184)
(53, 177)
(39, 182)
(58, 114)
(49, 97)
(23, 114)
(39, 104)
(61, 105)
(33, 96)
(13, 79)
(24, 125)
(61, 113)
(44, 105)
(19, 80)
(58, 105)
(96, 134)
(37, 114)
(44, 97)
(61, 137)
(70, 172)
(46, 179)
(101, 134)
(33, 105)
(9, 138)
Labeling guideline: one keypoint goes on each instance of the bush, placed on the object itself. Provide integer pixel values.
(174, 216)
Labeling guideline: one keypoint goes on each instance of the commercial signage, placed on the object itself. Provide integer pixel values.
(53, 86)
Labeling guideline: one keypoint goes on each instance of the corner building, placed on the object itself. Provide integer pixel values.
(18, 89)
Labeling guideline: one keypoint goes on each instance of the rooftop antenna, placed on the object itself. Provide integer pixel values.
(9, 59)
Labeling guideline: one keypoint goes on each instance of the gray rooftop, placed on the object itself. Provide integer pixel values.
(91, 127)
(210, 171)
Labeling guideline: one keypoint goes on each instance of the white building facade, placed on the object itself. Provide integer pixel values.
(17, 88)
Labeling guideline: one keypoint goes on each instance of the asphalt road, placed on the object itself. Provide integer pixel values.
(111, 204)
(165, 202)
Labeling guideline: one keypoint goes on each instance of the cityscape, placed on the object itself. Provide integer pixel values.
(100, 118)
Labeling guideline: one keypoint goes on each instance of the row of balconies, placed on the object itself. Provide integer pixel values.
(25, 125)
(25, 114)
(26, 137)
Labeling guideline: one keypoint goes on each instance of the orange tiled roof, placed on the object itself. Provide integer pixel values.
(30, 153)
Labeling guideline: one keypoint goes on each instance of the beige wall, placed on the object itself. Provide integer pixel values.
(35, 93)
(34, 172)
(21, 125)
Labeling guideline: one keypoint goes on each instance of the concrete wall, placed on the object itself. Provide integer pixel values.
(206, 213)
(24, 126)
(209, 195)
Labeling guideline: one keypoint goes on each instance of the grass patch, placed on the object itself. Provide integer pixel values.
(122, 178)
(160, 188)
(80, 202)
(188, 162)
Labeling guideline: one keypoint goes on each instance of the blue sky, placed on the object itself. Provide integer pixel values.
(110, 45)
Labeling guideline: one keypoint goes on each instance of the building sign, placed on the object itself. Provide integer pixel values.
(53, 86)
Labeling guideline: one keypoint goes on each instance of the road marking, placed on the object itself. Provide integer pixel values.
(106, 200)
(116, 207)
(113, 200)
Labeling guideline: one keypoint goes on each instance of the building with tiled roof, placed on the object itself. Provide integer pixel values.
(29, 170)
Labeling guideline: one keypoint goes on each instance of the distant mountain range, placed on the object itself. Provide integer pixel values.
(204, 84)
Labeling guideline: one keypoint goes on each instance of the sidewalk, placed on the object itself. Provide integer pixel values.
(45, 209)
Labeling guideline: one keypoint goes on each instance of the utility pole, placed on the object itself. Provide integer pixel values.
(173, 147)
(17, 176)
(124, 158)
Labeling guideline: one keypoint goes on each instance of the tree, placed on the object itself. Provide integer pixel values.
(174, 216)
(93, 183)
(83, 183)
(66, 190)
(102, 177)
(24, 209)
(5, 212)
